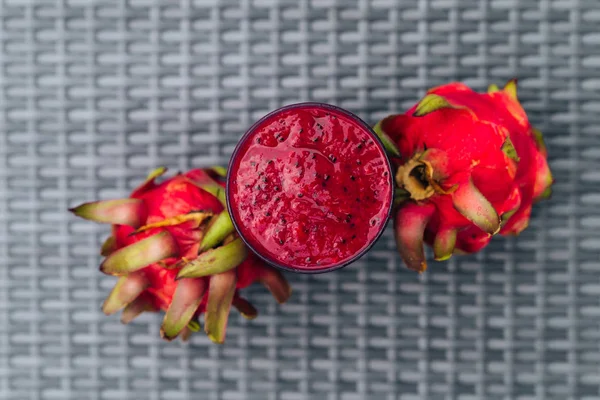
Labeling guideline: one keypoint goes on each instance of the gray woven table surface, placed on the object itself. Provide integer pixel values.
(94, 94)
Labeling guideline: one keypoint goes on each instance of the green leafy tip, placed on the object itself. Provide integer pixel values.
(140, 254)
(186, 299)
(130, 212)
(127, 289)
(220, 295)
(221, 171)
(219, 228)
(443, 245)
(387, 141)
(409, 228)
(509, 149)
(431, 103)
(473, 205)
(214, 261)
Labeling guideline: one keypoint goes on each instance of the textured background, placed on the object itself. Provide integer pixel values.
(94, 94)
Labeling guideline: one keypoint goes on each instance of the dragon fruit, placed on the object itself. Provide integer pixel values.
(174, 248)
(469, 166)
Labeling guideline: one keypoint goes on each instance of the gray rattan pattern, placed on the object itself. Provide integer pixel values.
(94, 94)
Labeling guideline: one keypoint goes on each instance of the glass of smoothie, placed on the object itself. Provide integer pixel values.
(309, 188)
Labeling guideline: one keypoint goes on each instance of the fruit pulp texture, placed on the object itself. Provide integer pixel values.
(310, 188)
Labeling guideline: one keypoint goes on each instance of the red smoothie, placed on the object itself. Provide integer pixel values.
(310, 187)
